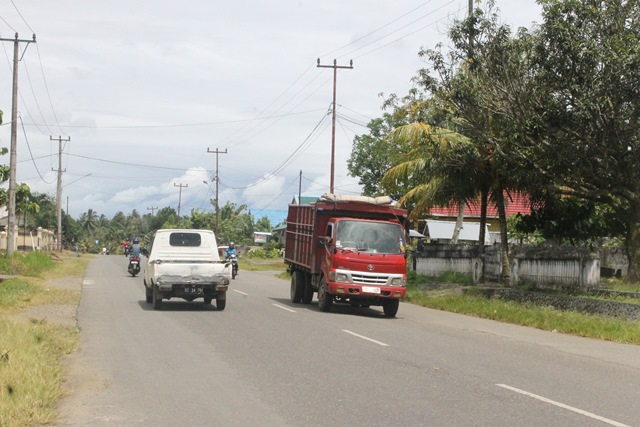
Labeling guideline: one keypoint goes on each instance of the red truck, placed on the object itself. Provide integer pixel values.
(348, 249)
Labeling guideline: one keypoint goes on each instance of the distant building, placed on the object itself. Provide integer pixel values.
(442, 231)
(304, 200)
(514, 203)
(261, 237)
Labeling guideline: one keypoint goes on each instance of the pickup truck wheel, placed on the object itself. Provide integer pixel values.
(157, 299)
(297, 286)
(148, 293)
(221, 304)
(325, 300)
(390, 307)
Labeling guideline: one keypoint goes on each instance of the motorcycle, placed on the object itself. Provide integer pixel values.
(134, 265)
(234, 265)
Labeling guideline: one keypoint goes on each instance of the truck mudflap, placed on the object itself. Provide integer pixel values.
(350, 290)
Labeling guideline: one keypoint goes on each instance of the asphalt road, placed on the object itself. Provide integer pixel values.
(264, 361)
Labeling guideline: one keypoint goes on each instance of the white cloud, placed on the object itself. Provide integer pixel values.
(145, 88)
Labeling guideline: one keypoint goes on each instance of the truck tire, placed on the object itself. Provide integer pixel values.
(221, 304)
(157, 299)
(390, 307)
(148, 293)
(325, 300)
(307, 295)
(297, 286)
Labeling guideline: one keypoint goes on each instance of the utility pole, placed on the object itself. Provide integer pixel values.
(333, 115)
(217, 152)
(11, 203)
(300, 188)
(180, 196)
(152, 209)
(59, 187)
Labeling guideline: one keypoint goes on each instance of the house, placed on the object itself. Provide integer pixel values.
(442, 231)
(304, 200)
(261, 236)
(514, 203)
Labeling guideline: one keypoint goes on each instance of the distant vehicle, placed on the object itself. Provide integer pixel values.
(185, 264)
(134, 265)
(348, 249)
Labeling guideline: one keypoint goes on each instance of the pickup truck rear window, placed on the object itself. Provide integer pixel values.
(185, 239)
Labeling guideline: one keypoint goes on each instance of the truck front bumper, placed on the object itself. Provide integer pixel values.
(351, 290)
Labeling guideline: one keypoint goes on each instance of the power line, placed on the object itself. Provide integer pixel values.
(179, 125)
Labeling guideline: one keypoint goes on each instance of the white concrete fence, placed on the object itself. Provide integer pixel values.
(43, 240)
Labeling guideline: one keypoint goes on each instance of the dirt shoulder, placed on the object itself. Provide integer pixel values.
(58, 314)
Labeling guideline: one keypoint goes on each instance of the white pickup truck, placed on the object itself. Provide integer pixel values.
(185, 264)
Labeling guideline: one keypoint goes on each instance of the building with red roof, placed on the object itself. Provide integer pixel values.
(514, 203)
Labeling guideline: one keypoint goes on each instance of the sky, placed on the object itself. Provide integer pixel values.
(151, 98)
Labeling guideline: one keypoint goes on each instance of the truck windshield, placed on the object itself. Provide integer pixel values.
(370, 236)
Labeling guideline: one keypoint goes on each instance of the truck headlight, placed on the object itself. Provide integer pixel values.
(397, 281)
(338, 277)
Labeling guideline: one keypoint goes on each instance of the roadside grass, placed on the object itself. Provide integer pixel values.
(448, 296)
(31, 371)
(262, 264)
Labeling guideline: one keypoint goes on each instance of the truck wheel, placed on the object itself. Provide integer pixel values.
(148, 293)
(297, 286)
(221, 304)
(157, 299)
(390, 307)
(307, 295)
(325, 300)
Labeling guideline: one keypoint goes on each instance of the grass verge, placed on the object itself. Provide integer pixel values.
(31, 350)
(449, 297)
(31, 370)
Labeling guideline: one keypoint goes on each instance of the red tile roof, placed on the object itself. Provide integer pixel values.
(514, 203)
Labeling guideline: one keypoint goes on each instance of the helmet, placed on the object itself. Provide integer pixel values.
(136, 240)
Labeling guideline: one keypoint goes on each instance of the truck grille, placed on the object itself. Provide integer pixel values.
(362, 279)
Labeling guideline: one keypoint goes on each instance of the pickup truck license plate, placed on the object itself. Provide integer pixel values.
(371, 289)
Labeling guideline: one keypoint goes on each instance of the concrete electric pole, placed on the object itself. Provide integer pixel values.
(333, 115)
(217, 152)
(180, 196)
(59, 187)
(11, 203)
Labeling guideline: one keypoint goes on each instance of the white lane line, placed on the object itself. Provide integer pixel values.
(365, 338)
(562, 405)
(284, 308)
(241, 293)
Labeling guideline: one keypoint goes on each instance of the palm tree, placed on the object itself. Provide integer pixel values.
(89, 221)
(439, 169)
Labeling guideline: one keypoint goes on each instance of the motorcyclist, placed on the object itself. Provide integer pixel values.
(135, 248)
(231, 250)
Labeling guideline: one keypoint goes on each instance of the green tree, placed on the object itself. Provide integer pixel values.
(89, 223)
(263, 224)
(373, 154)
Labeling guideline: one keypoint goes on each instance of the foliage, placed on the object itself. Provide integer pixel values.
(32, 384)
(373, 154)
(26, 264)
(545, 318)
